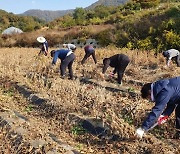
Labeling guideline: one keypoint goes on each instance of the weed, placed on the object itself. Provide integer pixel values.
(8, 92)
(131, 89)
(29, 108)
(78, 130)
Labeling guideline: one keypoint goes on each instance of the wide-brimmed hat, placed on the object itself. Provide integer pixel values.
(41, 39)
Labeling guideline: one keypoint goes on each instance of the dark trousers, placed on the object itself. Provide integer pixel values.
(121, 68)
(177, 115)
(88, 54)
(178, 60)
(67, 62)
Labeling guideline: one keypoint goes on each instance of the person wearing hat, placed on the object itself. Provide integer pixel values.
(172, 54)
(70, 46)
(67, 58)
(89, 51)
(44, 45)
(166, 95)
(119, 62)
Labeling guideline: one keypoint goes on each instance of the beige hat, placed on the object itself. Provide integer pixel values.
(41, 39)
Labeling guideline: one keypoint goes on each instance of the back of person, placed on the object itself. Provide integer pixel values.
(171, 53)
(62, 53)
(89, 48)
(172, 85)
(118, 59)
(70, 46)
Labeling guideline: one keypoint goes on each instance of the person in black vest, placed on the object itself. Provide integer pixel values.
(89, 51)
(67, 58)
(119, 62)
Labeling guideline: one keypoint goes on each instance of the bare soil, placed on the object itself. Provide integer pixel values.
(27, 80)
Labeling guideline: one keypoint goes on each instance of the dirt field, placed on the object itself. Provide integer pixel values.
(45, 109)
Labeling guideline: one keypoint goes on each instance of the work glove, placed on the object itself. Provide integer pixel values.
(111, 74)
(139, 132)
(162, 119)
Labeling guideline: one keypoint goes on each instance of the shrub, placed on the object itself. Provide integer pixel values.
(145, 44)
(106, 37)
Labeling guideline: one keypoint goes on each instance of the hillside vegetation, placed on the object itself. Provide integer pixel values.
(24, 23)
(138, 24)
(46, 15)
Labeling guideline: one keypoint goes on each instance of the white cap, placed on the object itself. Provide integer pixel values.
(41, 39)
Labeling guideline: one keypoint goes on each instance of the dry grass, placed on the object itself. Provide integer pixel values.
(121, 113)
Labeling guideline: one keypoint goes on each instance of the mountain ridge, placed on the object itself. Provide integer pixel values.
(48, 15)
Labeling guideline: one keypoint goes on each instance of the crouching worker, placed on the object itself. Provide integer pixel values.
(67, 58)
(44, 45)
(166, 95)
(89, 51)
(119, 62)
(70, 46)
(172, 54)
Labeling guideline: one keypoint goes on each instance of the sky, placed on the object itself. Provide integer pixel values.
(20, 6)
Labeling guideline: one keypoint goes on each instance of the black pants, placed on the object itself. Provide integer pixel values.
(177, 115)
(88, 54)
(121, 68)
(176, 59)
(68, 61)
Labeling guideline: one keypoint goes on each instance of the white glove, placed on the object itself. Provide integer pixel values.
(139, 132)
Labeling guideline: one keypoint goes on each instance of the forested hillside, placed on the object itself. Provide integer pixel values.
(46, 15)
(138, 24)
(25, 23)
(107, 3)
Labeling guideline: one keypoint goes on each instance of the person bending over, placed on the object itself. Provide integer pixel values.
(67, 58)
(119, 62)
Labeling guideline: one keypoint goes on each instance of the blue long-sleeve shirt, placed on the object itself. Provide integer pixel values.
(61, 54)
(166, 96)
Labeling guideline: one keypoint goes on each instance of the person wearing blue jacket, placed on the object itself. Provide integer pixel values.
(67, 58)
(166, 95)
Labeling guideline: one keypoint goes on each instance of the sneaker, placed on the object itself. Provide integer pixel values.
(62, 77)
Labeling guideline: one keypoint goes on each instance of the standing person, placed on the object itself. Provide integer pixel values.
(119, 62)
(166, 95)
(44, 45)
(172, 54)
(70, 46)
(67, 58)
(89, 51)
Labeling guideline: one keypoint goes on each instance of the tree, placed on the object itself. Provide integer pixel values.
(79, 15)
(102, 11)
(147, 3)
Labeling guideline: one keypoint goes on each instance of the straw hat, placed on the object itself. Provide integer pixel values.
(41, 39)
